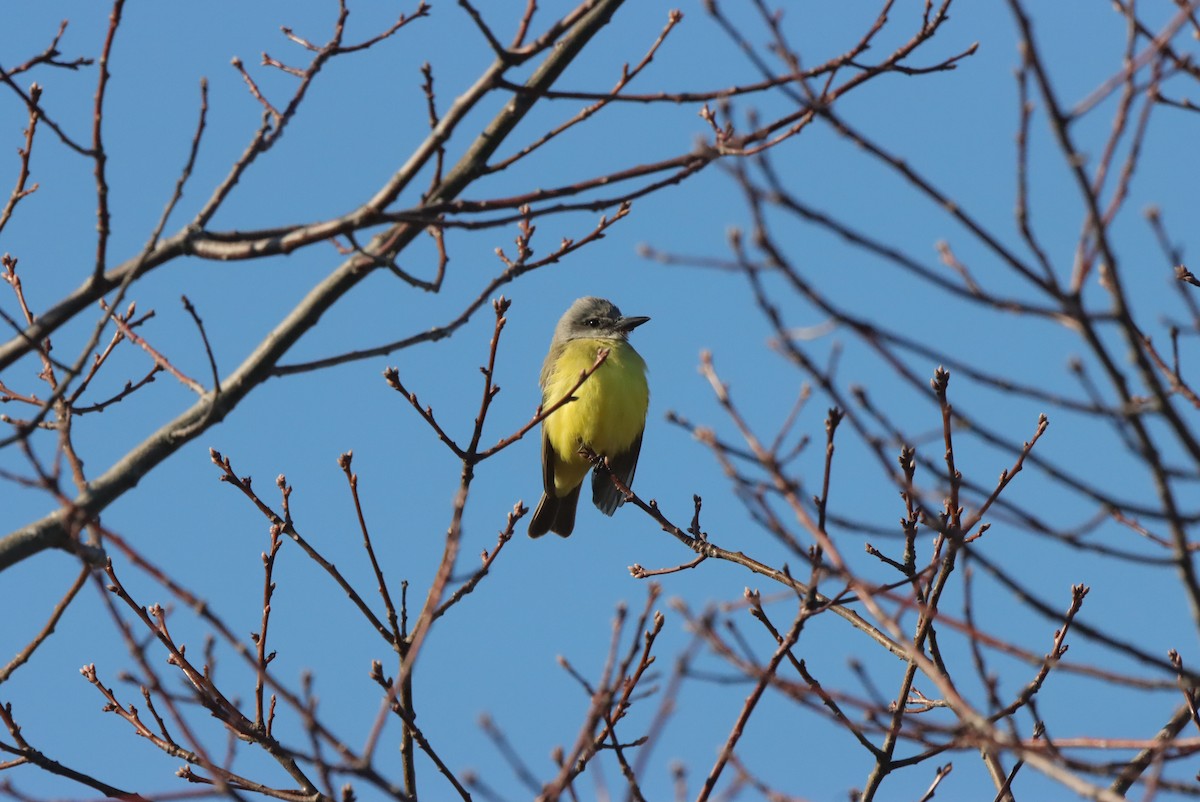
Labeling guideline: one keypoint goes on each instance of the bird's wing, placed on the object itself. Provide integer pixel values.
(546, 514)
(605, 494)
(547, 464)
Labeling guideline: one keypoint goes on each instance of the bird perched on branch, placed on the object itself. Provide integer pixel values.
(606, 417)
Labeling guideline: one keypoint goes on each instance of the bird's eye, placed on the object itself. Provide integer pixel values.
(593, 322)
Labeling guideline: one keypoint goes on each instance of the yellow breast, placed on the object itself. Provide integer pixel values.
(610, 410)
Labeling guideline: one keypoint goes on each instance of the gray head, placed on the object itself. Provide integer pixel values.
(595, 318)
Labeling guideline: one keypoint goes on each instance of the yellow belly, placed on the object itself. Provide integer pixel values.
(609, 413)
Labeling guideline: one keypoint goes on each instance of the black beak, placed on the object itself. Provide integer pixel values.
(630, 323)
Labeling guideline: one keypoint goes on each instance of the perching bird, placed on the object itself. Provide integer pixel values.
(607, 416)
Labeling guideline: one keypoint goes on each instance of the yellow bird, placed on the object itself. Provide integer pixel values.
(607, 416)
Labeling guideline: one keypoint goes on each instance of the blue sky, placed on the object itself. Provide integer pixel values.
(496, 653)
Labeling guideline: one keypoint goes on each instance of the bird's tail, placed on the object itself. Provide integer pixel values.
(554, 514)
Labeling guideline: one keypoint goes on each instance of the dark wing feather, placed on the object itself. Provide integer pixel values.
(553, 514)
(605, 494)
(547, 509)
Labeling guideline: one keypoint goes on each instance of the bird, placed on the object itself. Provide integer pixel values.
(607, 416)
